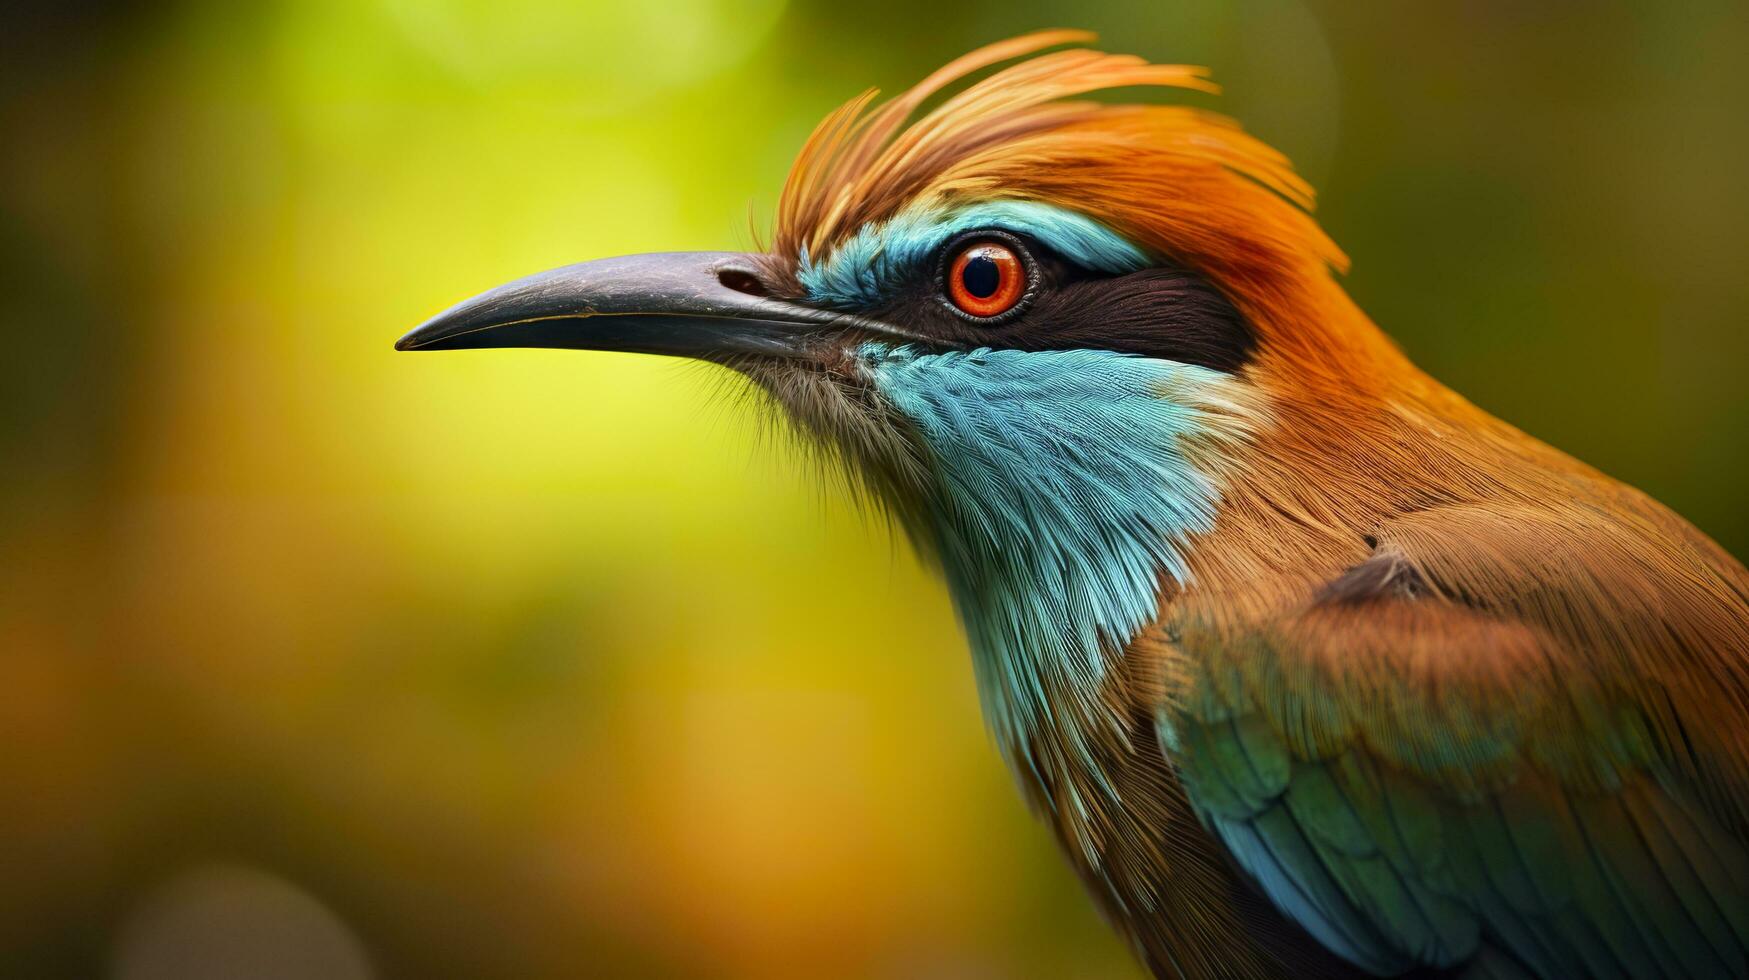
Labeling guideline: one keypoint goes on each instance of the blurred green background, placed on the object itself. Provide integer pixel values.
(324, 661)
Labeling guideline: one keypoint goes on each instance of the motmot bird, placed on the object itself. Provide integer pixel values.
(1314, 668)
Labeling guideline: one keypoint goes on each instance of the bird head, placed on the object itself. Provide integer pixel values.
(1055, 336)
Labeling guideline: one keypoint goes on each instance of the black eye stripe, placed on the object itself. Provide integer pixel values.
(1165, 311)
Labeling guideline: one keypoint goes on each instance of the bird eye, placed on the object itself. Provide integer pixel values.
(985, 279)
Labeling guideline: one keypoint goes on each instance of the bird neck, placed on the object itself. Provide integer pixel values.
(1066, 487)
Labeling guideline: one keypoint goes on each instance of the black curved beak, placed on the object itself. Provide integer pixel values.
(693, 304)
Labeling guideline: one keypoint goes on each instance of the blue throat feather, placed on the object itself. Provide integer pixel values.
(1065, 484)
(1062, 494)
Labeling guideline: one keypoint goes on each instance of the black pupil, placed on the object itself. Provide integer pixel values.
(981, 276)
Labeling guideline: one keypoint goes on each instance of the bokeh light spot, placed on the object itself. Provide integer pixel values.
(222, 922)
(540, 42)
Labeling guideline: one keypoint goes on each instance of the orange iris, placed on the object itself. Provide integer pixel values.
(986, 279)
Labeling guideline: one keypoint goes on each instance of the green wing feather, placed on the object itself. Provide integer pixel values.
(1425, 782)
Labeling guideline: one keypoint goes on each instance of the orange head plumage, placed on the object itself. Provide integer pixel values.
(1185, 184)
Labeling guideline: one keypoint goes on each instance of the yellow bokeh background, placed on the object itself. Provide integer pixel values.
(547, 664)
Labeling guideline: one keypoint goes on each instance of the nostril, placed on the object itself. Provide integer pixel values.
(741, 281)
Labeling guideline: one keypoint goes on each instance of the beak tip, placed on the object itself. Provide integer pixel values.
(414, 339)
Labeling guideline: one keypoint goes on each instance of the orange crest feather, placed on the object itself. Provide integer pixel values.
(1183, 183)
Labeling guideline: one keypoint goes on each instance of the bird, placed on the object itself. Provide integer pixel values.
(1314, 668)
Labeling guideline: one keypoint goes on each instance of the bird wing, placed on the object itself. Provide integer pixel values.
(1507, 732)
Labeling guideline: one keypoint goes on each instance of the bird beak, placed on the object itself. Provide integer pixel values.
(682, 303)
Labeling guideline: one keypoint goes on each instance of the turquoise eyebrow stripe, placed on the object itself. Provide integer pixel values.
(881, 255)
